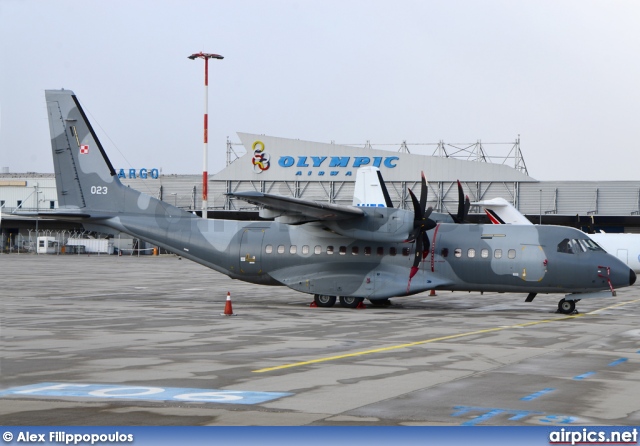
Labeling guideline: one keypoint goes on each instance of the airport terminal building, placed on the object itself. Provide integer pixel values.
(325, 172)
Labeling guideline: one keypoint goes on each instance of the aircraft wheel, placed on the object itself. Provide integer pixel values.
(380, 302)
(350, 302)
(323, 300)
(566, 306)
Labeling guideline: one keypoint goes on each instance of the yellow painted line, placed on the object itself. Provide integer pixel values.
(613, 306)
(428, 341)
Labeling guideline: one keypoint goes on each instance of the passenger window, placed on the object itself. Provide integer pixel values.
(484, 253)
(293, 249)
(329, 250)
(380, 251)
(343, 250)
(393, 251)
(471, 253)
(406, 251)
(367, 250)
(305, 249)
(268, 249)
(355, 251)
(497, 253)
(280, 249)
(512, 254)
(317, 249)
(444, 252)
(457, 252)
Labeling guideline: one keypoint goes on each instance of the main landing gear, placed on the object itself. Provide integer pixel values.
(567, 306)
(322, 300)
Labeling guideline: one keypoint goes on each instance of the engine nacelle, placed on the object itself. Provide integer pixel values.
(378, 224)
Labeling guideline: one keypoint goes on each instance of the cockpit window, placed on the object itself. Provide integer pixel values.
(565, 246)
(573, 246)
(590, 245)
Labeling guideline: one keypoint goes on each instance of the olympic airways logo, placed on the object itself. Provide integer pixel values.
(261, 159)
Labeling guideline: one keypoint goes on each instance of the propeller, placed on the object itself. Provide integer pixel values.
(463, 206)
(421, 224)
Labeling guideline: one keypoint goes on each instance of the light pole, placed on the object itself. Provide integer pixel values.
(540, 214)
(206, 57)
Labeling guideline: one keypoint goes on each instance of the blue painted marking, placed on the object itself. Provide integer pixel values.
(584, 375)
(145, 393)
(618, 361)
(519, 415)
(558, 419)
(489, 412)
(533, 396)
(485, 417)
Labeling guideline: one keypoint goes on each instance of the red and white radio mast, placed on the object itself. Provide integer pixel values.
(205, 168)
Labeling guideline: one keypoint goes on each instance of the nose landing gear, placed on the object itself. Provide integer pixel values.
(567, 306)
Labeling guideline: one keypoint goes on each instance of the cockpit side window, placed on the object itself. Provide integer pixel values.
(565, 246)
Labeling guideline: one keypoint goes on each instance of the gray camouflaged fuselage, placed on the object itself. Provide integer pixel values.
(363, 256)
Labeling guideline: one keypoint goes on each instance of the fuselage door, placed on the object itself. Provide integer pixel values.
(250, 262)
(533, 266)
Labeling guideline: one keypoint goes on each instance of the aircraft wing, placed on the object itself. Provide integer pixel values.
(297, 210)
(59, 215)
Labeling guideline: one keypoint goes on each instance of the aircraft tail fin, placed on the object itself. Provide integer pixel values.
(370, 189)
(85, 178)
(500, 211)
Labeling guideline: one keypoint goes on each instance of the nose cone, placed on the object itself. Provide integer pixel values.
(632, 277)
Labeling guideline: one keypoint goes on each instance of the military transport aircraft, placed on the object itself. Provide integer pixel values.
(331, 251)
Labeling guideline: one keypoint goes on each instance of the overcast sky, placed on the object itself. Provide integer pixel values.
(562, 74)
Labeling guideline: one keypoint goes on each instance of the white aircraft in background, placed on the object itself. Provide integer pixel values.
(624, 246)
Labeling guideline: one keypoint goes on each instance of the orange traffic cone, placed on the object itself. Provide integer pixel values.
(432, 293)
(228, 311)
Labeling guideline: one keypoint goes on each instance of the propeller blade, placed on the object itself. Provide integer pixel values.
(426, 244)
(424, 191)
(419, 245)
(460, 214)
(467, 205)
(421, 224)
(463, 206)
(416, 207)
(385, 192)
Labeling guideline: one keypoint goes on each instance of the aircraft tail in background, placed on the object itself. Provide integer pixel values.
(370, 190)
(501, 212)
